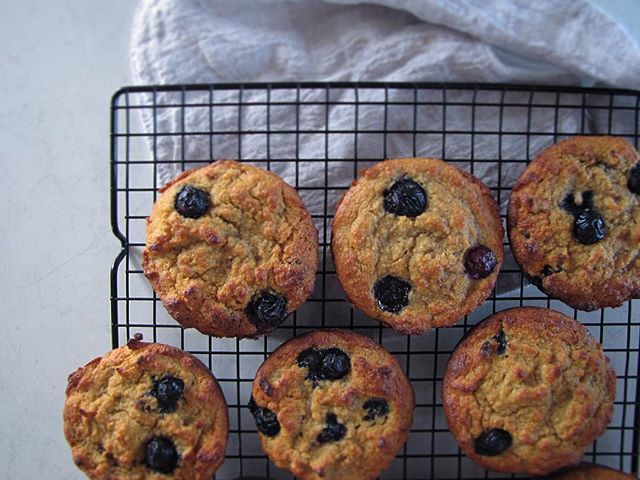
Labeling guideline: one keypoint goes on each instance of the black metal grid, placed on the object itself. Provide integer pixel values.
(489, 130)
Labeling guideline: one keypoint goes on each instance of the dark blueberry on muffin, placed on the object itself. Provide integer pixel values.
(161, 455)
(589, 226)
(633, 184)
(167, 391)
(405, 198)
(333, 431)
(310, 358)
(192, 202)
(392, 293)
(479, 261)
(266, 420)
(492, 442)
(335, 364)
(375, 407)
(267, 310)
(325, 364)
(501, 340)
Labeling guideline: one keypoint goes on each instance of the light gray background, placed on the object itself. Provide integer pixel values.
(60, 62)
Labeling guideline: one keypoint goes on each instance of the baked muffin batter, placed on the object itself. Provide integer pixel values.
(332, 404)
(146, 411)
(417, 243)
(527, 391)
(231, 250)
(574, 222)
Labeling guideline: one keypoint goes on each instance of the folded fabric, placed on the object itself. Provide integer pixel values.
(567, 42)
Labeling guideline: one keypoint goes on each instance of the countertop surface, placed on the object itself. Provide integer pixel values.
(61, 62)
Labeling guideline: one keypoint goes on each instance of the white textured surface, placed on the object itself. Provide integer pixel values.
(60, 63)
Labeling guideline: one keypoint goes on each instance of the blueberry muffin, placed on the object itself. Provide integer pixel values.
(146, 411)
(574, 222)
(417, 243)
(332, 404)
(588, 471)
(231, 250)
(527, 390)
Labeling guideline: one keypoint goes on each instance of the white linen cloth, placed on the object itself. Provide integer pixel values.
(204, 41)
(567, 42)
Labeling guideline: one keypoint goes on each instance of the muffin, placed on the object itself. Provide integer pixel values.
(588, 471)
(574, 222)
(231, 250)
(146, 410)
(527, 390)
(417, 243)
(332, 404)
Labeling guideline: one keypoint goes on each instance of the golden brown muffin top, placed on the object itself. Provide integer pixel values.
(527, 390)
(580, 180)
(144, 409)
(240, 256)
(332, 404)
(386, 227)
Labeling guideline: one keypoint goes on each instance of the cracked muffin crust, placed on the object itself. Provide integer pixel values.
(588, 471)
(574, 222)
(417, 243)
(146, 411)
(332, 404)
(527, 390)
(231, 250)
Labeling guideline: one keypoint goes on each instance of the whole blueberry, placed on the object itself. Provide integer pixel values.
(405, 198)
(633, 184)
(333, 431)
(492, 442)
(501, 339)
(479, 261)
(310, 358)
(267, 310)
(392, 293)
(335, 364)
(167, 391)
(375, 407)
(192, 202)
(589, 226)
(266, 420)
(161, 455)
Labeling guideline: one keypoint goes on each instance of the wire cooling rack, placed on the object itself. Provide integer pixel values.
(319, 137)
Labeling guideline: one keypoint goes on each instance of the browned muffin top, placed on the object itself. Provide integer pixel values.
(231, 250)
(527, 390)
(417, 243)
(574, 221)
(146, 411)
(332, 404)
